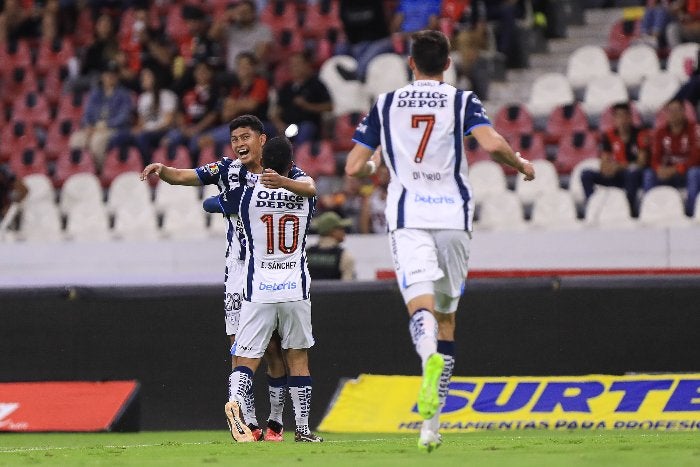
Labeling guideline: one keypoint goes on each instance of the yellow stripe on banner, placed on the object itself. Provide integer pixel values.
(386, 404)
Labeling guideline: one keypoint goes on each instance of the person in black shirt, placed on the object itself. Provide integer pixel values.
(328, 259)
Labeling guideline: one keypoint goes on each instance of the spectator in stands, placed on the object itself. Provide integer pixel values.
(471, 66)
(107, 111)
(347, 202)
(241, 30)
(12, 190)
(103, 50)
(372, 217)
(367, 33)
(416, 15)
(248, 95)
(302, 100)
(657, 16)
(675, 157)
(624, 154)
(689, 19)
(199, 112)
(18, 21)
(504, 13)
(328, 259)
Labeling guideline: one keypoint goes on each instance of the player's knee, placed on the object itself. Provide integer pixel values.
(446, 305)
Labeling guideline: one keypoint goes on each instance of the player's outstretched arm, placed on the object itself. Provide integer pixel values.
(302, 186)
(500, 150)
(361, 162)
(172, 175)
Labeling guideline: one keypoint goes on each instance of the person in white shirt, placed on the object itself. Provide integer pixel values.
(429, 208)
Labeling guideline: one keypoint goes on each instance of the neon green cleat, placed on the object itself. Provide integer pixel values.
(428, 398)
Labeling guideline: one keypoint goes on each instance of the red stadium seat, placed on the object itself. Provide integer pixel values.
(53, 84)
(280, 15)
(661, 118)
(84, 28)
(70, 106)
(207, 155)
(16, 137)
(58, 136)
(33, 109)
(281, 75)
(573, 148)
(316, 159)
(606, 118)
(321, 17)
(344, 130)
(287, 42)
(53, 54)
(71, 162)
(622, 34)
(14, 54)
(565, 120)
(475, 153)
(513, 120)
(118, 161)
(28, 161)
(19, 82)
(180, 158)
(531, 147)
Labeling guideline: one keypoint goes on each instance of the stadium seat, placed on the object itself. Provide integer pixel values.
(53, 55)
(546, 181)
(450, 75)
(621, 35)
(320, 17)
(662, 206)
(513, 120)
(606, 123)
(279, 15)
(40, 190)
(655, 92)
(575, 148)
(118, 161)
(287, 42)
(682, 60)
(29, 161)
(636, 63)
(565, 120)
(386, 72)
(549, 91)
(19, 82)
(486, 178)
(81, 188)
(172, 196)
(608, 208)
(84, 28)
(41, 225)
(501, 211)
(14, 54)
(135, 223)
(207, 155)
(70, 106)
(348, 95)
(575, 186)
(315, 158)
(53, 85)
(179, 158)
(555, 210)
(33, 109)
(57, 137)
(187, 222)
(127, 189)
(531, 146)
(602, 92)
(87, 223)
(696, 212)
(70, 162)
(16, 137)
(661, 117)
(474, 152)
(586, 63)
(344, 130)
(209, 191)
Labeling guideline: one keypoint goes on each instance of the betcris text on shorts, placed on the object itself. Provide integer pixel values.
(428, 199)
(277, 286)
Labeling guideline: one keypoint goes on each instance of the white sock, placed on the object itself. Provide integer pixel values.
(423, 329)
(300, 391)
(277, 388)
(241, 390)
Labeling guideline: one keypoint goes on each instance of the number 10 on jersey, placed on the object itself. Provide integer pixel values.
(284, 244)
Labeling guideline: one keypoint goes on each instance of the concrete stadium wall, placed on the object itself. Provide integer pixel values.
(172, 339)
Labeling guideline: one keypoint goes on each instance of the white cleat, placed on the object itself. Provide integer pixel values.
(239, 430)
(429, 440)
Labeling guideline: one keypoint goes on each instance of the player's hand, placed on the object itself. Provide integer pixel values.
(154, 168)
(271, 179)
(527, 169)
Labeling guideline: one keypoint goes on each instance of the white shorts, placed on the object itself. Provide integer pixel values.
(258, 320)
(437, 257)
(233, 294)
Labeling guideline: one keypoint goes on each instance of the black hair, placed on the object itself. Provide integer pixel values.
(247, 121)
(622, 106)
(430, 50)
(277, 155)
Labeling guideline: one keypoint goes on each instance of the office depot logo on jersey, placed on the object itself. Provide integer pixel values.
(279, 200)
(656, 402)
(274, 287)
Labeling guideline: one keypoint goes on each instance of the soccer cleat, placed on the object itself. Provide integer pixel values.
(428, 397)
(257, 432)
(309, 437)
(429, 441)
(274, 431)
(239, 430)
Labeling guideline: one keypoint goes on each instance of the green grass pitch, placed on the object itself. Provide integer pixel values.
(520, 448)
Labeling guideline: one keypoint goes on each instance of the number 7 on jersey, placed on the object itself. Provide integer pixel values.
(430, 123)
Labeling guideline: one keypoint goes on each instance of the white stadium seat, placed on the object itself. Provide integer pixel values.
(655, 92)
(555, 210)
(128, 189)
(209, 191)
(88, 223)
(168, 196)
(587, 62)
(386, 72)
(182, 222)
(41, 225)
(40, 190)
(662, 206)
(678, 57)
(549, 91)
(348, 95)
(81, 188)
(135, 222)
(486, 178)
(602, 92)
(636, 63)
(502, 211)
(608, 208)
(696, 211)
(450, 75)
(546, 181)
(575, 185)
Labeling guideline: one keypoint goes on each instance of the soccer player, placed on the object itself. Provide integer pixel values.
(421, 129)
(247, 139)
(276, 294)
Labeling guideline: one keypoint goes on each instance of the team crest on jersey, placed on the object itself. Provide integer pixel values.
(213, 168)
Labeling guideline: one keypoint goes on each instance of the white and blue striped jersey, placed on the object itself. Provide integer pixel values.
(421, 129)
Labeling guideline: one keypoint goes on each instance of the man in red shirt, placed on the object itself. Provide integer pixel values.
(625, 152)
(675, 158)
